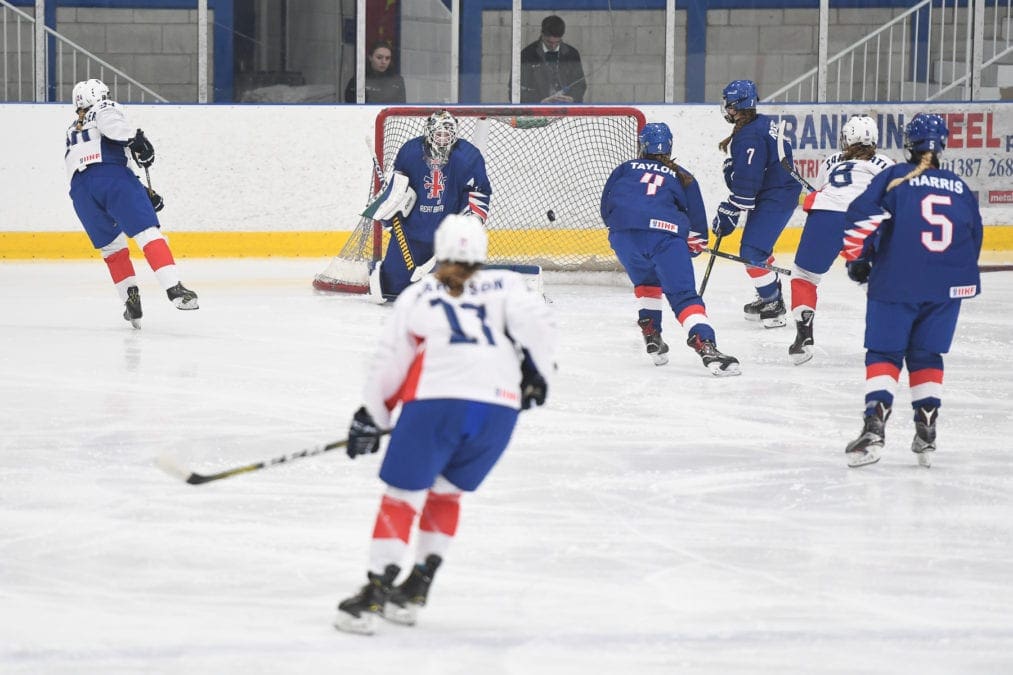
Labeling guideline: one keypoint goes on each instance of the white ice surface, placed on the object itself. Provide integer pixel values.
(647, 520)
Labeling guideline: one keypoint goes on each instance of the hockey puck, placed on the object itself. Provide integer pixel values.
(551, 215)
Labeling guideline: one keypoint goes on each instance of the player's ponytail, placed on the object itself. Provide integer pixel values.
(453, 275)
(859, 151)
(684, 177)
(80, 119)
(927, 159)
(744, 118)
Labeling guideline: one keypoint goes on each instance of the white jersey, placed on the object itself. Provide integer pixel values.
(841, 180)
(100, 139)
(438, 346)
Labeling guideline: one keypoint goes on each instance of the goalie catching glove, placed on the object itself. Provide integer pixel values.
(397, 197)
(363, 434)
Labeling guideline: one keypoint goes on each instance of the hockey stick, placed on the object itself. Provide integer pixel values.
(762, 266)
(710, 265)
(395, 224)
(784, 159)
(173, 469)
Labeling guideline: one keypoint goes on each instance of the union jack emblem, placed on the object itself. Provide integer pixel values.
(434, 183)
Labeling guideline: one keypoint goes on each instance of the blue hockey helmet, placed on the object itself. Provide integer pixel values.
(655, 139)
(740, 95)
(925, 132)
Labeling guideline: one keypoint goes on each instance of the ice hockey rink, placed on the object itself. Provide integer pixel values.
(647, 520)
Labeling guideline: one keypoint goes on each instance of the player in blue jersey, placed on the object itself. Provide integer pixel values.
(657, 225)
(435, 175)
(915, 238)
(449, 357)
(110, 200)
(843, 176)
(760, 187)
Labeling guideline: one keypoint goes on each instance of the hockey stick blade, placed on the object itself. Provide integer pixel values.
(762, 266)
(781, 140)
(193, 478)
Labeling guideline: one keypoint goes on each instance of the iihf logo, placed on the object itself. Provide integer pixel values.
(434, 184)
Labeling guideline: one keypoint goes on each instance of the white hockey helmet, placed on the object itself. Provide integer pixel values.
(88, 93)
(859, 130)
(462, 239)
(441, 134)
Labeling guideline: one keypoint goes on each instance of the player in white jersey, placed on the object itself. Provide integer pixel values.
(842, 177)
(465, 350)
(110, 200)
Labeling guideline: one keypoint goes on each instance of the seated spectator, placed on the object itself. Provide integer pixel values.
(551, 71)
(383, 85)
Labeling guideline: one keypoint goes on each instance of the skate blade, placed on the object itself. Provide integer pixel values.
(751, 317)
(731, 370)
(186, 304)
(778, 322)
(925, 457)
(798, 359)
(362, 625)
(404, 616)
(859, 458)
(136, 323)
(659, 359)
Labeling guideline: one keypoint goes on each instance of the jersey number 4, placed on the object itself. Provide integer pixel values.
(457, 334)
(653, 182)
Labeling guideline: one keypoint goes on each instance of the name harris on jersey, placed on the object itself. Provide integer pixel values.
(947, 184)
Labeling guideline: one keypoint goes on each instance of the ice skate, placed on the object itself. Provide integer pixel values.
(719, 364)
(771, 313)
(404, 602)
(867, 447)
(656, 347)
(182, 297)
(358, 614)
(132, 311)
(801, 350)
(924, 443)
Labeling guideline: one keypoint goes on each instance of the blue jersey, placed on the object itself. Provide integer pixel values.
(756, 172)
(645, 194)
(923, 236)
(458, 186)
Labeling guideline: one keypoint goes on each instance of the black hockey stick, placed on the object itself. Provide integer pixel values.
(784, 159)
(172, 468)
(762, 266)
(395, 224)
(710, 265)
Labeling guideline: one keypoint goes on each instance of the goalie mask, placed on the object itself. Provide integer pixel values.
(859, 130)
(441, 134)
(88, 93)
(461, 239)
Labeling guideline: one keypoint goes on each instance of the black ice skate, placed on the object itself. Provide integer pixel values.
(182, 297)
(719, 364)
(866, 448)
(656, 347)
(771, 313)
(132, 311)
(404, 603)
(924, 443)
(358, 613)
(801, 350)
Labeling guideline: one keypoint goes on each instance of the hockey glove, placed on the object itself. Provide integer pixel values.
(859, 270)
(363, 434)
(157, 202)
(696, 244)
(727, 219)
(140, 146)
(533, 385)
(726, 169)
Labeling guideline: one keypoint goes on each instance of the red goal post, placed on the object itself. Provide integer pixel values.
(547, 166)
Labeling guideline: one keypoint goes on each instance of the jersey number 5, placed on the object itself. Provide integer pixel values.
(457, 335)
(945, 225)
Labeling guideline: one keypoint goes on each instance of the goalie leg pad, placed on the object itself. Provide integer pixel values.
(375, 287)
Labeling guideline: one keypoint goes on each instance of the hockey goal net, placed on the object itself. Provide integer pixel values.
(547, 167)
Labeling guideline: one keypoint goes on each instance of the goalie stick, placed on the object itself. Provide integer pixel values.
(781, 140)
(732, 256)
(168, 465)
(395, 224)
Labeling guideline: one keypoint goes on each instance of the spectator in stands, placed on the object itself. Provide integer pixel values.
(383, 85)
(551, 71)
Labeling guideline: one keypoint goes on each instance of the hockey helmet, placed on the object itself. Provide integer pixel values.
(859, 130)
(740, 95)
(655, 139)
(441, 134)
(88, 93)
(462, 239)
(926, 132)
